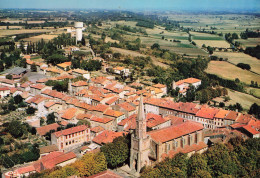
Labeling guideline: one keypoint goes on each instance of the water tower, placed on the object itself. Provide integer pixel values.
(78, 26)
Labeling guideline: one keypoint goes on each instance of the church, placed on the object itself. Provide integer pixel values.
(149, 148)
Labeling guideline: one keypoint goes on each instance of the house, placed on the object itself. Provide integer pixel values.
(127, 108)
(45, 150)
(77, 86)
(121, 71)
(153, 122)
(4, 91)
(106, 123)
(95, 131)
(70, 115)
(44, 129)
(71, 138)
(206, 117)
(106, 174)
(52, 106)
(107, 136)
(8, 83)
(219, 118)
(117, 116)
(80, 72)
(37, 89)
(64, 66)
(161, 87)
(183, 85)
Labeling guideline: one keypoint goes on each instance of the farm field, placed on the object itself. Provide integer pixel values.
(244, 99)
(229, 71)
(235, 58)
(136, 54)
(4, 33)
(254, 91)
(39, 37)
(213, 43)
(250, 42)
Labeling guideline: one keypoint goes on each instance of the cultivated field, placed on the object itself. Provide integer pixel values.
(4, 33)
(245, 100)
(216, 43)
(230, 71)
(39, 37)
(136, 54)
(236, 57)
(250, 42)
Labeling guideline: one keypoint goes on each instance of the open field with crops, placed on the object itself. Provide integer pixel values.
(136, 54)
(39, 37)
(237, 57)
(216, 43)
(250, 42)
(244, 99)
(4, 33)
(230, 71)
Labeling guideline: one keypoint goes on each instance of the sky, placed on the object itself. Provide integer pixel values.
(194, 5)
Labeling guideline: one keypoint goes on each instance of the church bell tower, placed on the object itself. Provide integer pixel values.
(140, 141)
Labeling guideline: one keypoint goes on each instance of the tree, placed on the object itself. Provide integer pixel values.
(221, 104)
(155, 46)
(196, 163)
(51, 118)
(9, 76)
(83, 122)
(30, 110)
(33, 67)
(11, 106)
(15, 128)
(18, 99)
(1, 66)
(55, 59)
(117, 152)
(83, 41)
(103, 36)
(255, 110)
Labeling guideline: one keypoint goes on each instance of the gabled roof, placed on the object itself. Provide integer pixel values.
(69, 113)
(64, 64)
(113, 113)
(48, 149)
(222, 114)
(70, 130)
(44, 129)
(158, 85)
(172, 132)
(79, 84)
(106, 174)
(107, 136)
(99, 108)
(103, 120)
(232, 115)
(112, 100)
(208, 113)
(127, 106)
(188, 81)
(38, 86)
(97, 129)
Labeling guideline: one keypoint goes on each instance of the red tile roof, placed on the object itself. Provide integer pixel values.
(251, 129)
(70, 130)
(79, 84)
(44, 129)
(48, 149)
(208, 113)
(127, 106)
(172, 132)
(222, 114)
(112, 100)
(50, 103)
(186, 149)
(84, 116)
(158, 85)
(99, 108)
(51, 163)
(38, 86)
(101, 120)
(106, 174)
(188, 80)
(3, 80)
(4, 88)
(113, 113)
(232, 115)
(26, 169)
(174, 119)
(97, 129)
(69, 113)
(107, 136)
